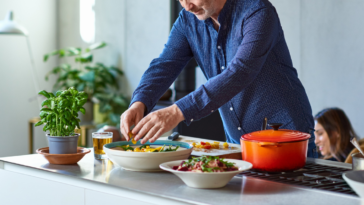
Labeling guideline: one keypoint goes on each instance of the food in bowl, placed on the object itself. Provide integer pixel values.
(131, 136)
(206, 179)
(208, 145)
(148, 148)
(146, 161)
(206, 164)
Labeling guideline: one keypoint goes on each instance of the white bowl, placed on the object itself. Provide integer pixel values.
(355, 179)
(146, 161)
(209, 179)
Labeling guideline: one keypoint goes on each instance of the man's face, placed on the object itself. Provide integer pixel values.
(203, 9)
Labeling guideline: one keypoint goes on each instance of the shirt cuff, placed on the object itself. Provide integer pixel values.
(188, 109)
(144, 99)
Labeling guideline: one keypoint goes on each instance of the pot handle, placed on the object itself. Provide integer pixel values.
(268, 144)
(275, 126)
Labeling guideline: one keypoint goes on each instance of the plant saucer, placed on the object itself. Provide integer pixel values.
(63, 158)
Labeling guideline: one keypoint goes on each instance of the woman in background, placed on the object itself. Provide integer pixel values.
(333, 132)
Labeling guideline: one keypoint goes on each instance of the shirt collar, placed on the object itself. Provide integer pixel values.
(224, 11)
(223, 14)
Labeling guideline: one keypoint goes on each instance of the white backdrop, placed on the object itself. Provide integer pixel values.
(17, 92)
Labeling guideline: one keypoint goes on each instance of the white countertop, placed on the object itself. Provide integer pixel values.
(240, 190)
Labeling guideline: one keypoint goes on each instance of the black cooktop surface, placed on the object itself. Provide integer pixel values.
(315, 176)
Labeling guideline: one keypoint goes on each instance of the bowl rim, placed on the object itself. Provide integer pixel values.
(163, 166)
(352, 180)
(185, 145)
(82, 150)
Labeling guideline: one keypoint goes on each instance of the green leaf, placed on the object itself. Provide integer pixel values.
(38, 124)
(46, 102)
(44, 93)
(88, 76)
(120, 101)
(83, 94)
(46, 56)
(64, 103)
(85, 58)
(58, 93)
(73, 91)
(81, 102)
(81, 86)
(46, 110)
(91, 68)
(72, 51)
(115, 118)
(64, 93)
(82, 110)
(43, 114)
(61, 53)
(117, 70)
(96, 46)
(104, 108)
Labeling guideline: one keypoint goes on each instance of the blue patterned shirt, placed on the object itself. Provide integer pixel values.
(247, 64)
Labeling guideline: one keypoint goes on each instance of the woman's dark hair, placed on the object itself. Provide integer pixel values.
(335, 120)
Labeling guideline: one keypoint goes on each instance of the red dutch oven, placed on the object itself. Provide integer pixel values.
(276, 150)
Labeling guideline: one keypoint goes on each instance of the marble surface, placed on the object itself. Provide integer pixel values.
(240, 190)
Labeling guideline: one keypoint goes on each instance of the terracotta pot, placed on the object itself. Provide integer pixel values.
(275, 150)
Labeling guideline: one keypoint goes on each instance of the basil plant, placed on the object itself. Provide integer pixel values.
(59, 112)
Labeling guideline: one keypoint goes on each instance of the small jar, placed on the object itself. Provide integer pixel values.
(358, 161)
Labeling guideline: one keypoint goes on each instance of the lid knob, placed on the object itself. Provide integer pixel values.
(275, 125)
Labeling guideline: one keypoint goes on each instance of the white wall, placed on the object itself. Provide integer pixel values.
(135, 31)
(18, 95)
(326, 42)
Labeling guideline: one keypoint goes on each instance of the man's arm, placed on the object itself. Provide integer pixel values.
(155, 81)
(164, 70)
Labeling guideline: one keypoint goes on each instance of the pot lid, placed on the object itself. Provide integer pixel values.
(276, 135)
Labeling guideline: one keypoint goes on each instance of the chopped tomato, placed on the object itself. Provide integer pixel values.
(202, 143)
(207, 146)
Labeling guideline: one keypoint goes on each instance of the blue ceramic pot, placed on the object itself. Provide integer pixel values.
(63, 145)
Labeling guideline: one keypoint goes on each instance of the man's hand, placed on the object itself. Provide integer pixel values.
(157, 123)
(130, 117)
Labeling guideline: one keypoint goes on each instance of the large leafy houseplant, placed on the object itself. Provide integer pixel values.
(59, 114)
(98, 81)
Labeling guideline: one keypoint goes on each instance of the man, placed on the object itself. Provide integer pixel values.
(240, 47)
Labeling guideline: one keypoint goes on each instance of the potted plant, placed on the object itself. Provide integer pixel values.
(96, 80)
(59, 114)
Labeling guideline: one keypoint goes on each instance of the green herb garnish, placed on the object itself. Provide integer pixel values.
(125, 148)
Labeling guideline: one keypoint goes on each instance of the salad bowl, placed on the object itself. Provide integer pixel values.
(146, 161)
(204, 180)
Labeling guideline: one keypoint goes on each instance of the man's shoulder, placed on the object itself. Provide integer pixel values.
(250, 6)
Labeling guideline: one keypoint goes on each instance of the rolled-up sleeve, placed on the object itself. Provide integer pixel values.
(260, 32)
